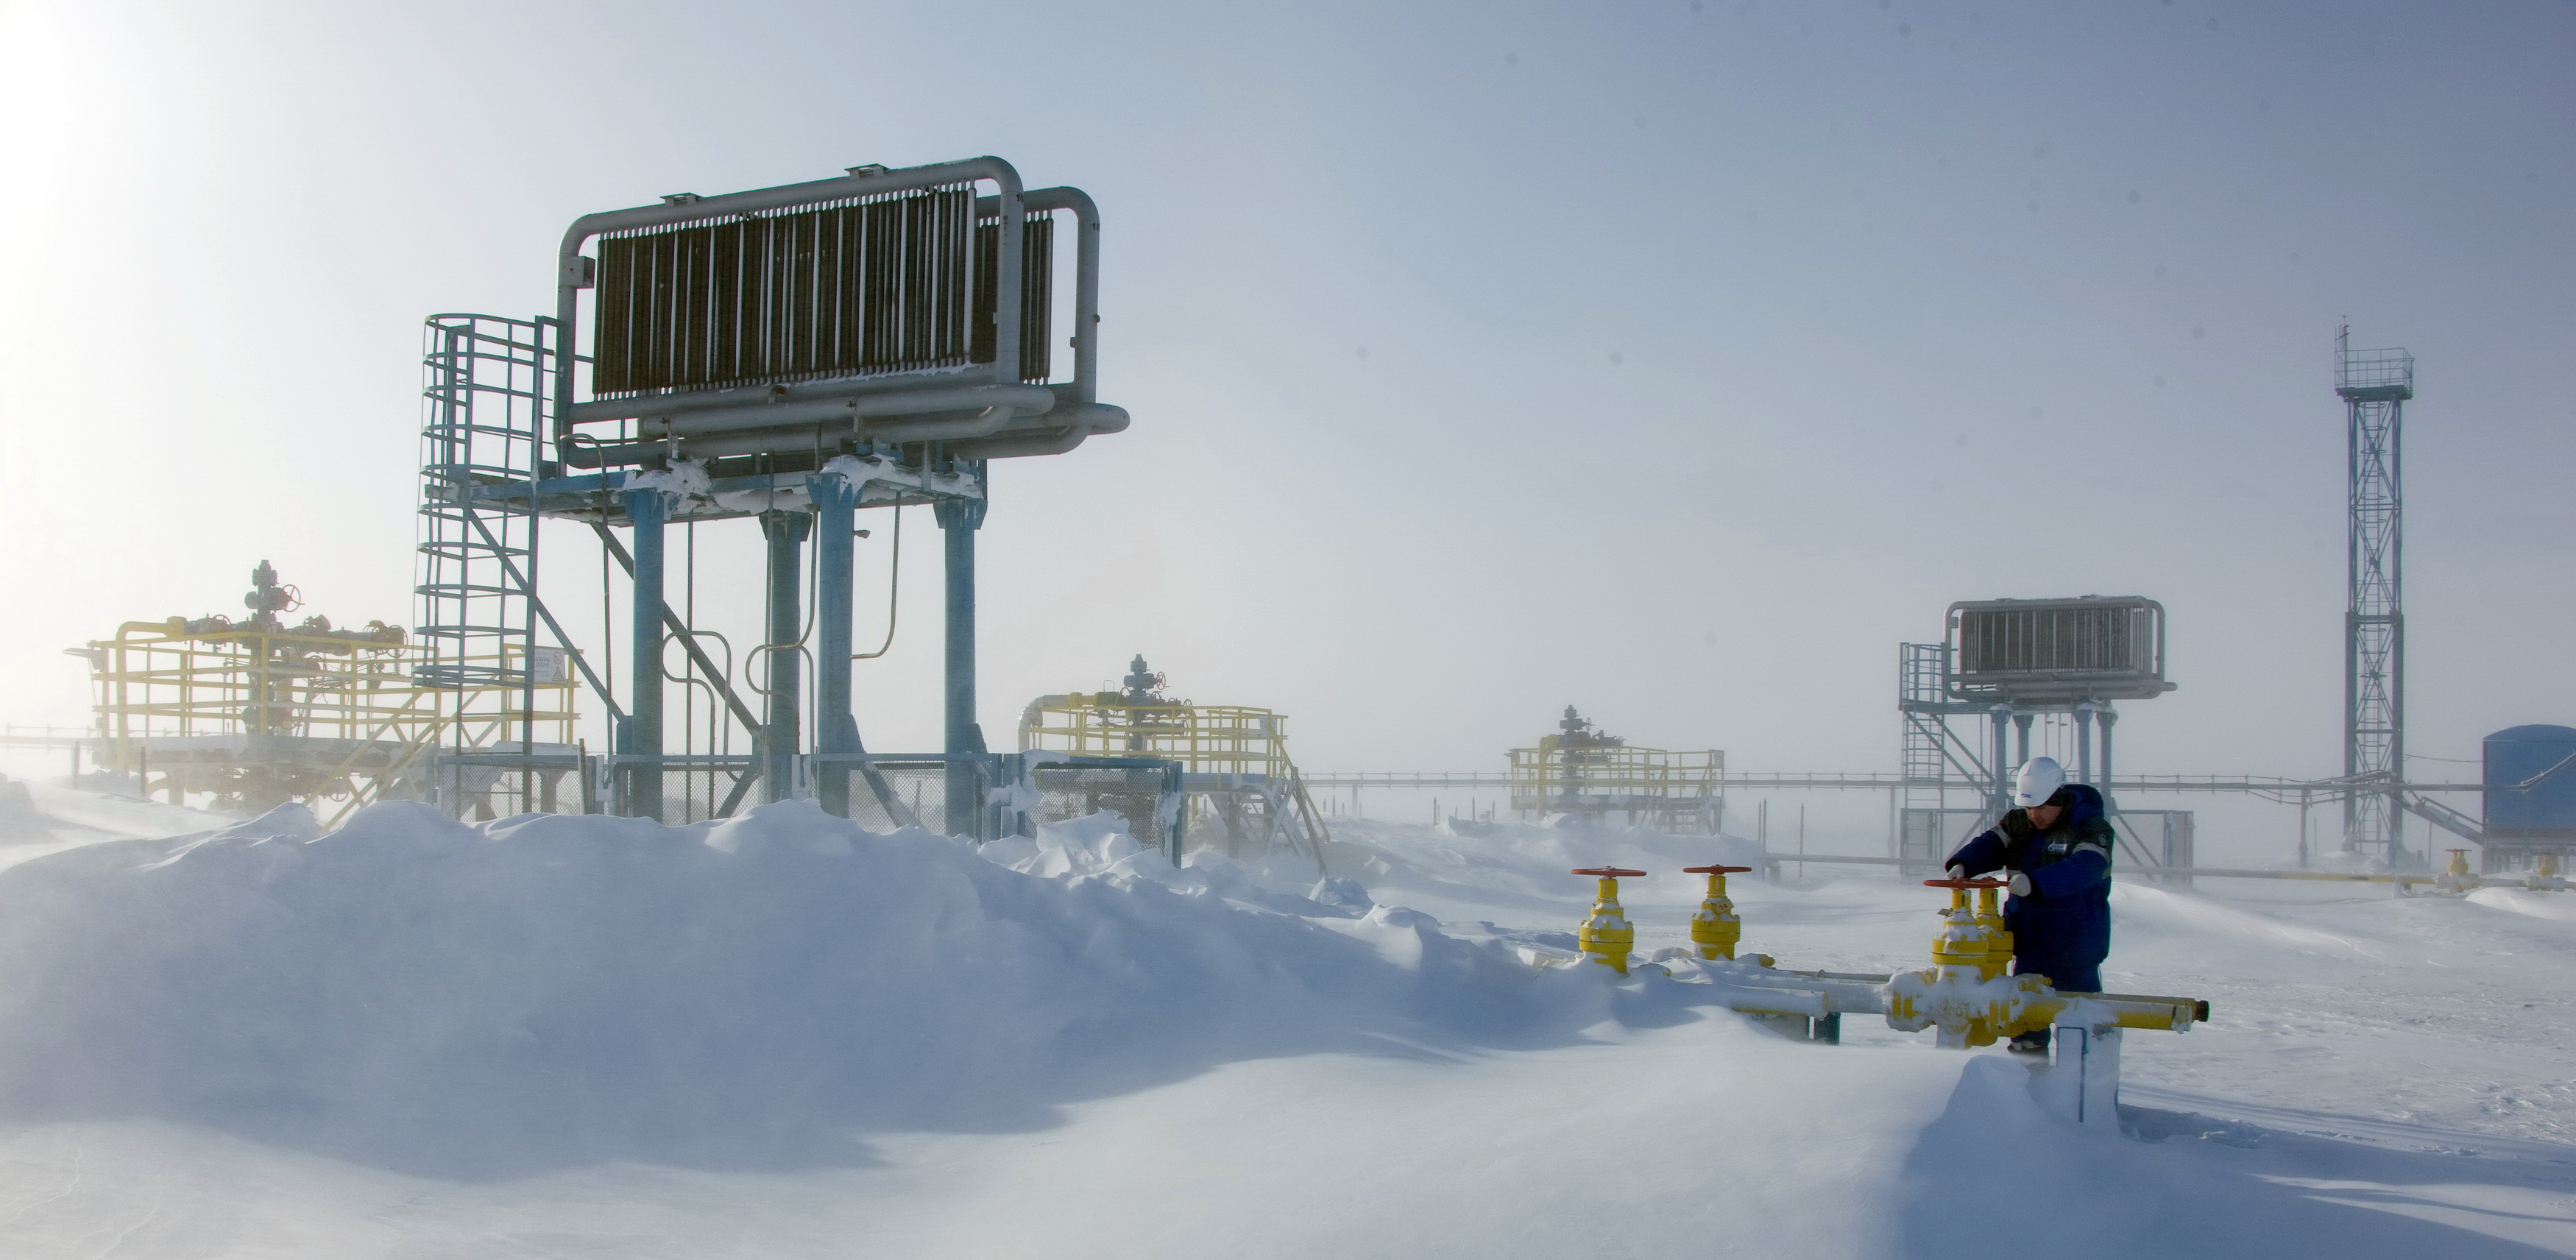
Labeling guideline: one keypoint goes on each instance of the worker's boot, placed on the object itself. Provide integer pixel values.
(2030, 1043)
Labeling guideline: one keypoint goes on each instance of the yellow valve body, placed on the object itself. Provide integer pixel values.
(1999, 939)
(1716, 929)
(1606, 934)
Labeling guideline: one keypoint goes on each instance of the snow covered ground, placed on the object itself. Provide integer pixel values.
(783, 1037)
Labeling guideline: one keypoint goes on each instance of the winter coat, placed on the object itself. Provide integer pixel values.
(2062, 930)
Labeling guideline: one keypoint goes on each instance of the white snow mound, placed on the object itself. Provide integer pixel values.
(419, 994)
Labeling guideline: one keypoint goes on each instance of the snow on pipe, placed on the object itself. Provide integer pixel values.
(983, 400)
(1965, 993)
(989, 431)
(1967, 997)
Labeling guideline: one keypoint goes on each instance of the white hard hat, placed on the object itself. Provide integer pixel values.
(2039, 779)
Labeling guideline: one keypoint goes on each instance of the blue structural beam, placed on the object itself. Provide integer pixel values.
(2001, 799)
(785, 532)
(836, 502)
(649, 509)
(958, 521)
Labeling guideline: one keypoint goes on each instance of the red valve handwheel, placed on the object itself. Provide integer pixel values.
(1963, 883)
(1605, 870)
(1714, 870)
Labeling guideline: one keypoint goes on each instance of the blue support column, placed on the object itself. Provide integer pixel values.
(649, 510)
(958, 521)
(2084, 742)
(2108, 717)
(785, 532)
(2003, 790)
(836, 503)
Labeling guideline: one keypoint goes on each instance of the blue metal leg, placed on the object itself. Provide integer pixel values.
(2083, 744)
(958, 522)
(836, 504)
(650, 510)
(786, 534)
(2003, 773)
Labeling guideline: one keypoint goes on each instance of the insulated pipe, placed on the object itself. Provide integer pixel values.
(572, 273)
(756, 441)
(785, 532)
(649, 509)
(720, 435)
(958, 521)
(1086, 283)
(1096, 418)
(783, 404)
(954, 429)
(1016, 446)
(2021, 727)
(836, 501)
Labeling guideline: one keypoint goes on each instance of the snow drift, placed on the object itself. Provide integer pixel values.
(428, 996)
(782, 1036)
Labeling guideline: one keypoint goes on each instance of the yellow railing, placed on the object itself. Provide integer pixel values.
(1207, 739)
(1615, 776)
(1204, 738)
(337, 713)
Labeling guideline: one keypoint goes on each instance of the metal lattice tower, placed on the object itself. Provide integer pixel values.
(2374, 385)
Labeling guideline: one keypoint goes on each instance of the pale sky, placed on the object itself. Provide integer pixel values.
(1672, 360)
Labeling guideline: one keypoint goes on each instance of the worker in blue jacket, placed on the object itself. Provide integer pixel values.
(2056, 850)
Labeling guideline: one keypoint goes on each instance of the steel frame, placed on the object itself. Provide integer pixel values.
(802, 455)
(2374, 385)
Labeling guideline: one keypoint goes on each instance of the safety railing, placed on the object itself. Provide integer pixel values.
(1204, 738)
(308, 683)
(2374, 369)
(1612, 776)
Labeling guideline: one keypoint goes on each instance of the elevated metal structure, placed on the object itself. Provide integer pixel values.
(2045, 666)
(1242, 791)
(788, 355)
(2375, 386)
(258, 712)
(1583, 772)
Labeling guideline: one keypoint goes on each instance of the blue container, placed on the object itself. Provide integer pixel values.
(2548, 810)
